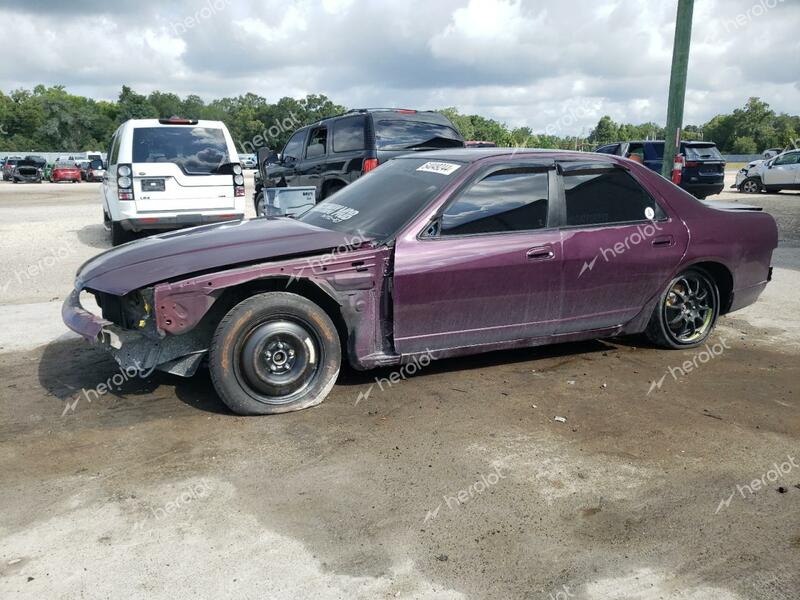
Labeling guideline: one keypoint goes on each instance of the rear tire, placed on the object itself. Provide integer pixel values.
(686, 312)
(273, 353)
(119, 235)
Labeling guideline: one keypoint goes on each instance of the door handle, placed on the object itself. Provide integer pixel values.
(663, 242)
(541, 253)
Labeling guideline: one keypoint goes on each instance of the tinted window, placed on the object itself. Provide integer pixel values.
(402, 134)
(507, 200)
(788, 159)
(612, 149)
(198, 150)
(317, 142)
(115, 143)
(701, 152)
(348, 134)
(380, 203)
(294, 147)
(609, 196)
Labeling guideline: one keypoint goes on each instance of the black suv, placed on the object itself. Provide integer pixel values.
(334, 152)
(703, 172)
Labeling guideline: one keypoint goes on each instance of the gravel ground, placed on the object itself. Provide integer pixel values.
(455, 483)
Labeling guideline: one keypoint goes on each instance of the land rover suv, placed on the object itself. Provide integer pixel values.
(168, 174)
(334, 152)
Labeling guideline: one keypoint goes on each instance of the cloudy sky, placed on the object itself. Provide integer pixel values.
(558, 64)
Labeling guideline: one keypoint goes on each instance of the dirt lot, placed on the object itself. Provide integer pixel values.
(455, 483)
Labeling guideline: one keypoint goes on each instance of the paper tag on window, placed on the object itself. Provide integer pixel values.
(442, 168)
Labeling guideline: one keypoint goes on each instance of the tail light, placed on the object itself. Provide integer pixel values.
(692, 164)
(177, 121)
(125, 182)
(238, 181)
(369, 165)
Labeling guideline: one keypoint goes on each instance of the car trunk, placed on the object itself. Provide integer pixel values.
(165, 187)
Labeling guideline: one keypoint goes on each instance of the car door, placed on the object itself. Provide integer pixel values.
(783, 170)
(619, 246)
(486, 270)
(315, 156)
(285, 170)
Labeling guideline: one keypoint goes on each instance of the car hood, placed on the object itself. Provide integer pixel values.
(181, 253)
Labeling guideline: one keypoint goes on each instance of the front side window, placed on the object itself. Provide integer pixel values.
(514, 199)
(196, 150)
(599, 197)
(791, 158)
(294, 147)
(348, 134)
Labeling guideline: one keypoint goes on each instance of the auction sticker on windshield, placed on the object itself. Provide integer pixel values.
(335, 213)
(443, 168)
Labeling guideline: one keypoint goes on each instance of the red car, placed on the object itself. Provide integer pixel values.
(65, 171)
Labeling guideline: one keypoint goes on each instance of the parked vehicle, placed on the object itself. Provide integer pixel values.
(770, 152)
(168, 174)
(9, 165)
(479, 144)
(65, 171)
(703, 171)
(83, 166)
(28, 170)
(781, 172)
(248, 161)
(334, 152)
(96, 171)
(444, 254)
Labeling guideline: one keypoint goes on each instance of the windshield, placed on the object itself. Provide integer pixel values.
(404, 134)
(198, 150)
(694, 152)
(383, 201)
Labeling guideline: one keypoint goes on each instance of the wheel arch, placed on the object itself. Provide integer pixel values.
(723, 278)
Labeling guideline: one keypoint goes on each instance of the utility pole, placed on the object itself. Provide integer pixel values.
(677, 83)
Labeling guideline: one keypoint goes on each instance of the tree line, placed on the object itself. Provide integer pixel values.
(51, 119)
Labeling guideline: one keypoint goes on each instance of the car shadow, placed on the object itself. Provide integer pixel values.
(95, 236)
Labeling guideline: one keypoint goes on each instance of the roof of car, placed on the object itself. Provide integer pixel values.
(475, 154)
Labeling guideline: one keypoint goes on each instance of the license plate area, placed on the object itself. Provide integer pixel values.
(153, 185)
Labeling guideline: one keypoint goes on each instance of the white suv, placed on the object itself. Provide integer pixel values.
(781, 172)
(170, 173)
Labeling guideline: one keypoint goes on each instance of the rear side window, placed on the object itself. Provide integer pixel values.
(599, 197)
(507, 200)
(114, 156)
(317, 143)
(196, 150)
(348, 134)
(405, 134)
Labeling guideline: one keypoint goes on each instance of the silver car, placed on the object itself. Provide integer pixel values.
(781, 172)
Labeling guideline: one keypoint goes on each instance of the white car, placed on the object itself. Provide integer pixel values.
(168, 174)
(781, 172)
(248, 161)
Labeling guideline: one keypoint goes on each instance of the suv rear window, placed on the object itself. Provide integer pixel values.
(405, 134)
(695, 152)
(196, 150)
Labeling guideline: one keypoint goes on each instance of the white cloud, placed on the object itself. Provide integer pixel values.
(520, 61)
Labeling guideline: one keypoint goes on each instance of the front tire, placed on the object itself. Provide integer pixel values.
(273, 353)
(686, 312)
(750, 186)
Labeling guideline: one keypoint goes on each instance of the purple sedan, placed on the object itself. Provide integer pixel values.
(444, 254)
